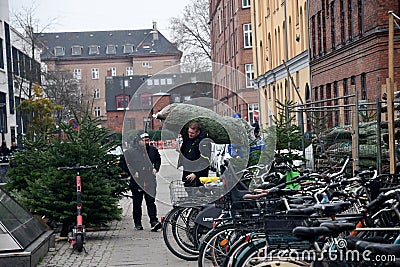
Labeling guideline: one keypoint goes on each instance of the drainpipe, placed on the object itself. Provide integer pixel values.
(287, 49)
(260, 118)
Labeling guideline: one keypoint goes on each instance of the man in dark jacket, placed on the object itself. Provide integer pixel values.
(144, 162)
(194, 155)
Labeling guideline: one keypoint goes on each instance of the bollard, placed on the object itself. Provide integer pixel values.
(52, 243)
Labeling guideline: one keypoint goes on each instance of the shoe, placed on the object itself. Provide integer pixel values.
(138, 227)
(155, 226)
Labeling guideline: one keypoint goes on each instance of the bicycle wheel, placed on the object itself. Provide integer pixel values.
(177, 233)
(183, 230)
(236, 248)
(214, 247)
(199, 232)
(79, 243)
(254, 255)
(252, 250)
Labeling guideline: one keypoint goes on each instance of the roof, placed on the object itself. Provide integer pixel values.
(101, 43)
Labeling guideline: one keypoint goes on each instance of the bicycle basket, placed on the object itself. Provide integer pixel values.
(249, 214)
(248, 219)
(283, 223)
(193, 196)
(278, 229)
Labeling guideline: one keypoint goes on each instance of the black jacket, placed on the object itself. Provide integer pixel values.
(143, 161)
(195, 155)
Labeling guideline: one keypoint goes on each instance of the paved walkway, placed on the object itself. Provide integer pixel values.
(121, 245)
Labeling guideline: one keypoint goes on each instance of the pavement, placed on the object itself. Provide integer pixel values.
(120, 244)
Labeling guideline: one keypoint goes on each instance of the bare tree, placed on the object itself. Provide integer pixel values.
(26, 22)
(64, 90)
(191, 33)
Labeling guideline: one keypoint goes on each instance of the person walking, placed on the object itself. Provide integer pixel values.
(4, 150)
(143, 162)
(194, 155)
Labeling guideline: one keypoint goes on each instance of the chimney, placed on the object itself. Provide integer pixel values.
(154, 31)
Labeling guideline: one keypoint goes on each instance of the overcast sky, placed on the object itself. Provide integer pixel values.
(87, 15)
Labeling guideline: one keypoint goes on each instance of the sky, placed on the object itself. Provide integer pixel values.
(95, 15)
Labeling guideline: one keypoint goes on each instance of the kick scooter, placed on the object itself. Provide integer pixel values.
(78, 235)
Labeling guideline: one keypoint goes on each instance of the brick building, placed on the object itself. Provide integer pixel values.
(132, 100)
(231, 52)
(349, 49)
(91, 55)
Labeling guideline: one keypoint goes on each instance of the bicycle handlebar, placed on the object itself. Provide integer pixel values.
(78, 167)
(341, 170)
(382, 197)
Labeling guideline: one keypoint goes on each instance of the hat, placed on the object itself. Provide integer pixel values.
(142, 134)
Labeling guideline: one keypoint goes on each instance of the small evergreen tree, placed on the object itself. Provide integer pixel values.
(288, 134)
(44, 190)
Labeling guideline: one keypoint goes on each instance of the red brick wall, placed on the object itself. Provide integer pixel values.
(227, 48)
(159, 103)
(115, 121)
(365, 53)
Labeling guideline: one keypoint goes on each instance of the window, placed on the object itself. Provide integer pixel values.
(336, 101)
(122, 101)
(360, 5)
(169, 80)
(145, 64)
(15, 61)
(145, 100)
(350, 19)
(59, 51)
(111, 50)
(95, 73)
(363, 86)
(156, 82)
(97, 93)
(249, 68)
(113, 71)
(1, 54)
(186, 98)
(93, 49)
(319, 33)
(97, 111)
(346, 101)
(162, 81)
(342, 21)
(129, 71)
(128, 48)
(149, 82)
(76, 50)
(253, 112)
(247, 35)
(245, 3)
(78, 74)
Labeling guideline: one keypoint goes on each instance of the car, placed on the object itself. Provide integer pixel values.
(116, 151)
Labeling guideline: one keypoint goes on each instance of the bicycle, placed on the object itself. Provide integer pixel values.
(78, 235)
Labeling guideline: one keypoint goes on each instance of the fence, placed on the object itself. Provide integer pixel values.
(163, 144)
(342, 127)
